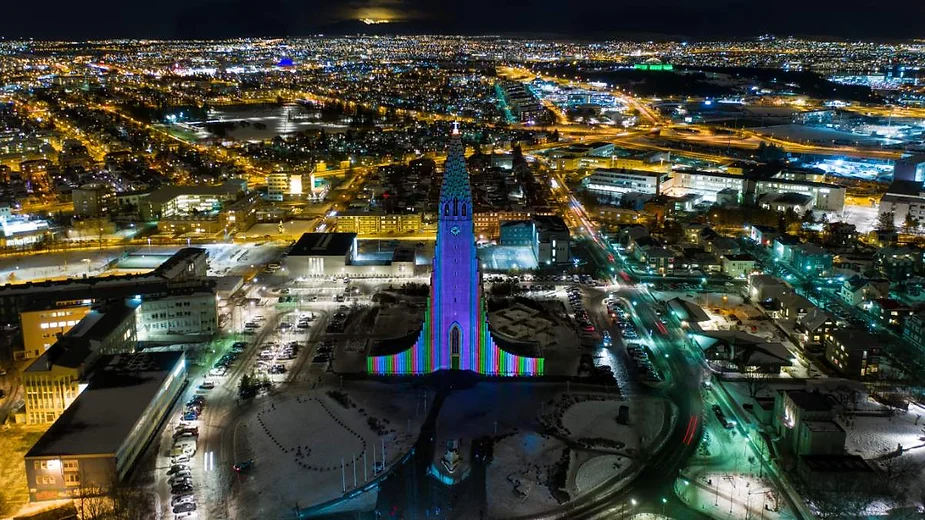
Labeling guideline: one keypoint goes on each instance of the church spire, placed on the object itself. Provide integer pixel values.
(456, 194)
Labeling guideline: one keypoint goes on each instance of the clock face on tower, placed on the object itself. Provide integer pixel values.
(454, 230)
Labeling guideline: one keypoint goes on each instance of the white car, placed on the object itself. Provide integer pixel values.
(182, 499)
(185, 515)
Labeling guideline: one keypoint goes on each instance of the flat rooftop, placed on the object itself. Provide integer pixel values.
(811, 401)
(323, 244)
(101, 418)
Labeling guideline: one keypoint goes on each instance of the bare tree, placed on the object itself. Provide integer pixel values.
(130, 503)
(756, 383)
(843, 496)
(91, 501)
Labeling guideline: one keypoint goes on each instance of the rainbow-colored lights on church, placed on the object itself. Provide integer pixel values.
(455, 333)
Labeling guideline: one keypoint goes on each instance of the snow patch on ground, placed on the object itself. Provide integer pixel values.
(299, 440)
(874, 436)
(598, 470)
(517, 477)
(598, 420)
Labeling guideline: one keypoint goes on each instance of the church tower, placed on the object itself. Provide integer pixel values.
(455, 334)
(456, 300)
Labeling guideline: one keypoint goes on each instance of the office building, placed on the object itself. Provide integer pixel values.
(42, 326)
(614, 182)
(97, 440)
(550, 240)
(290, 186)
(376, 223)
(183, 316)
(52, 381)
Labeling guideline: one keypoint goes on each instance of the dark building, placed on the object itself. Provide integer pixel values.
(854, 353)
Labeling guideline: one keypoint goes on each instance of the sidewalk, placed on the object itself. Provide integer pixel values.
(727, 496)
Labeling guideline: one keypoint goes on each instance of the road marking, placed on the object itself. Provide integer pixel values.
(208, 461)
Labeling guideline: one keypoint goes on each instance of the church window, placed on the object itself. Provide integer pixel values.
(464, 210)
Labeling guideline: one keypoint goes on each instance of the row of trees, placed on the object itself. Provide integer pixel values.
(117, 502)
(887, 222)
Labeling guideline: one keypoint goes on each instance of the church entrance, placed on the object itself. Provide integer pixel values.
(455, 340)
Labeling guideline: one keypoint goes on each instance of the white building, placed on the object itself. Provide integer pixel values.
(177, 317)
(615, 181)
(826, 197)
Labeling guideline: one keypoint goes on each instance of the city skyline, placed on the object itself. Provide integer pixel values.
(660, 19)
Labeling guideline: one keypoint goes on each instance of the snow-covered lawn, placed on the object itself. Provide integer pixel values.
(874, 436)
(598, 470)
(298, 442)
(517, 477)
(594, 423)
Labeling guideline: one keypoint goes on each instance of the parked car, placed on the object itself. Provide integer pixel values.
(177, 468)
(185, 507)
(207, 385)
(182, 499)
(245, 466)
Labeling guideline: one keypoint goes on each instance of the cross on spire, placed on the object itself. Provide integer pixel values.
(455, 130)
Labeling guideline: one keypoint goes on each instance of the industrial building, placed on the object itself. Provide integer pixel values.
(90, 446)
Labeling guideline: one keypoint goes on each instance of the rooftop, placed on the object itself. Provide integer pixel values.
(836, 463)
(324, 244)
(740, 257)
(811, 401)
(168, 193)
(550, 223)
(73, 349)
(854, 339)
(125, 384)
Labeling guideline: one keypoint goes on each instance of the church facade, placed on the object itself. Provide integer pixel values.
(455, 333)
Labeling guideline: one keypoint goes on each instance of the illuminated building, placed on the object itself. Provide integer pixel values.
(41, 327)
(614, 181)
(37, 175)
(52, 381)
(455, 333)
(854, 353)
(289, 186)
(95, 443)
(178, 202)
(377, 222)
(806, 423)
(189, 315)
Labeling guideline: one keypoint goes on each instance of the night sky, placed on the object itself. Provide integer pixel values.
(593, 19)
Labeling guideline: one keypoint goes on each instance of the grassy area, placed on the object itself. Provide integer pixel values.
(15, 441)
